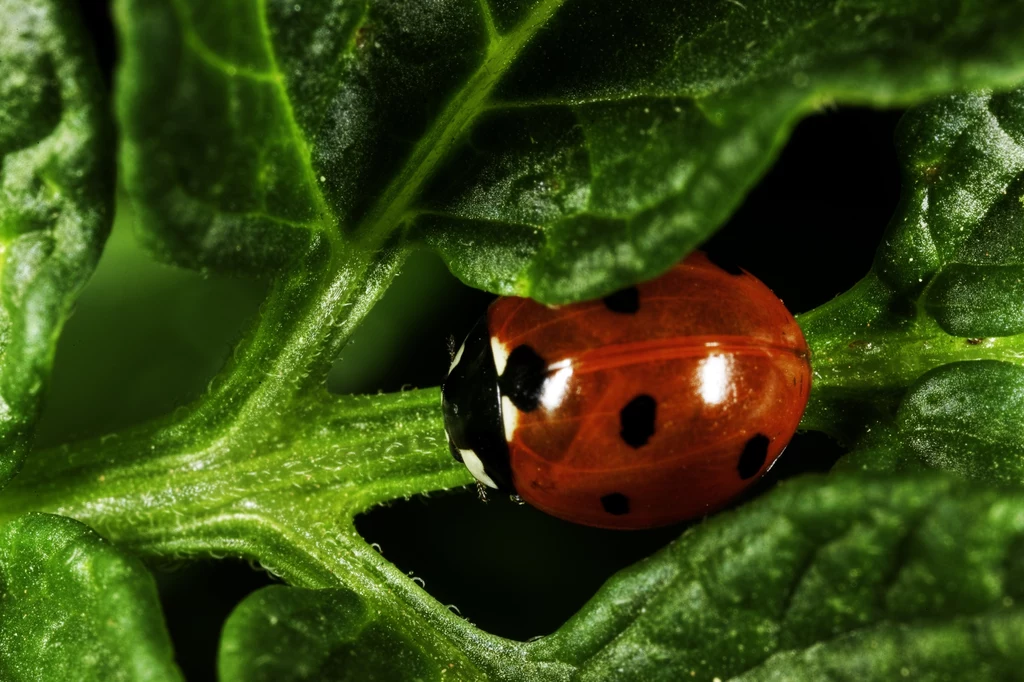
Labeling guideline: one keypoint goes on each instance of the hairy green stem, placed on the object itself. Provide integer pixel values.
(283, 492)
(863, 360)
(266, 417)
(390, 445)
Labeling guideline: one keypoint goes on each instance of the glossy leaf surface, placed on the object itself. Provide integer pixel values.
(56, 183)
(73, 607)
(552, 148)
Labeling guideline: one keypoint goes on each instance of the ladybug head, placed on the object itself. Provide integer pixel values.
(472, 411)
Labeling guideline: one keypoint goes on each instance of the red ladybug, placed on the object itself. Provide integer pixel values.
(659, 403)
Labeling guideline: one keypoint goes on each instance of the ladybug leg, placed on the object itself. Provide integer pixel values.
(481, 491)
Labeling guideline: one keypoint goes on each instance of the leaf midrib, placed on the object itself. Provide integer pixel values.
(449, 127)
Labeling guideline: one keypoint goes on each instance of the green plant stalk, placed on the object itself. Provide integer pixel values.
(875, 360)
(288, 505)
(181, 473)
(220, 478)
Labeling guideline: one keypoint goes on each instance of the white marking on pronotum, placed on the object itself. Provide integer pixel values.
(510, 417)
(458, 356)
(476, 467)
(500, 353)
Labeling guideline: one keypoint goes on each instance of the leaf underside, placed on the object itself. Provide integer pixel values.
(555, 149)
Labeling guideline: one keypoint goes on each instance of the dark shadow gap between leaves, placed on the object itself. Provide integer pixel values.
(196, 599)
(517, 572)
(810, 228)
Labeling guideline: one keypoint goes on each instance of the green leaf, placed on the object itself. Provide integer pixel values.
(72, 607)
(547, 148)
(966, 408)
(850, 578)
(56, 190)
(964, 417)
(945, 286)
(286, 634)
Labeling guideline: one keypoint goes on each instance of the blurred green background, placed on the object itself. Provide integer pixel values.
(146, 338)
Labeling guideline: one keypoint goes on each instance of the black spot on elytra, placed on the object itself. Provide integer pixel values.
(625, 301)
(524, 377)
(615, 503)
(637, 420)
(755, 452)
(726, 265)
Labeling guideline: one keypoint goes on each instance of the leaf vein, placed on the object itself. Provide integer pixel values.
(451, 125)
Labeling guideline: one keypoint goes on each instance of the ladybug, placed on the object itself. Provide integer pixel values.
(659, 403)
